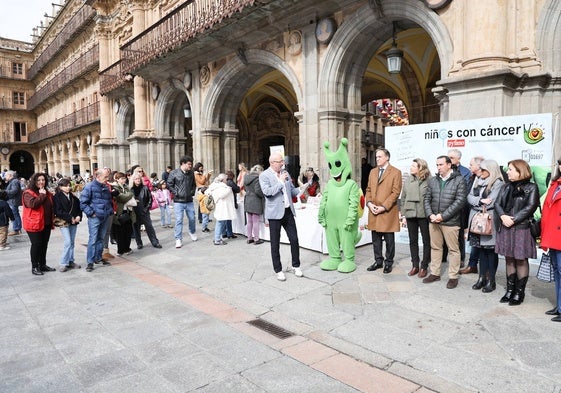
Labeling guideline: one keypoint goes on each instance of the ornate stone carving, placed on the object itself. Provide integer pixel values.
(295, 43)
(205, 75)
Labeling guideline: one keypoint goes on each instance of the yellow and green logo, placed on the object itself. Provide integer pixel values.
(533, 135)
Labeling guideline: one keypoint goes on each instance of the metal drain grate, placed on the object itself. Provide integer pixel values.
(271, 328)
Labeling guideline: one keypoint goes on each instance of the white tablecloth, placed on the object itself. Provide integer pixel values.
(311, 235)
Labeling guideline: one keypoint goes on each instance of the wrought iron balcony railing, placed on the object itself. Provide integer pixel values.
(89, 61)
(185, 22)
(80, 118)
(76, 24)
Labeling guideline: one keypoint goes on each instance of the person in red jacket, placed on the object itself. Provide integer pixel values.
(38, 217)
(551, 235)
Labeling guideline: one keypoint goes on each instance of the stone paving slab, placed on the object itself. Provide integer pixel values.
(175, 320)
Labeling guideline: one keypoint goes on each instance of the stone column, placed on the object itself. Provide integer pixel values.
(210, 142)
(230, 149)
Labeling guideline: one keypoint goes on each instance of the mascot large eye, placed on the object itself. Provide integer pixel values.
(337, 163)
(329, 165)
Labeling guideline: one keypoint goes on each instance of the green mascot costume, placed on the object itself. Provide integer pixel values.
(340, 210)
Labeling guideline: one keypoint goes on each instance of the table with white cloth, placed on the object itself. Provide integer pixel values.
(311, 235)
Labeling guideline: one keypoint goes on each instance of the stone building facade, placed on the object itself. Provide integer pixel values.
(223, 80)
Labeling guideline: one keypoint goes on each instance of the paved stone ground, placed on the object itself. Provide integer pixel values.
(175, 320)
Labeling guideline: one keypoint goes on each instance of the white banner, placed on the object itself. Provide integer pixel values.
(502, 139)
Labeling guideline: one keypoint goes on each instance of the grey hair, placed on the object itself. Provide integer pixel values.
(457, 152)
(11, 173)
(257, 168)
(220, 178)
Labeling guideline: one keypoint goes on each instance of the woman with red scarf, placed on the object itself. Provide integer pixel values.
(38, 217)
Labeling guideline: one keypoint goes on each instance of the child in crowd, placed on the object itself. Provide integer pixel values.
(163, 197)
(6, 215)
(202, 208)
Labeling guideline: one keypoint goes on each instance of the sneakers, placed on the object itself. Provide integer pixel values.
(220, 243)
(206, 230)
(178, 243)
(281, 276)
(73, 265)
(430, 279)
(4, 248)
(296, 270)
(63, 269)
(193, 237)
(90, 267)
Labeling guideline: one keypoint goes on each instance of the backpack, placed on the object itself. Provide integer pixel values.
(209, 202)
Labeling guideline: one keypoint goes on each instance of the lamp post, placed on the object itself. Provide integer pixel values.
(394, 56)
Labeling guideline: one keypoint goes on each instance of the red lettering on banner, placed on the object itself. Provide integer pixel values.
(456, 143)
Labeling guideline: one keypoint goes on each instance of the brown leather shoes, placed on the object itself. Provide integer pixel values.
(468, 270)
(431, 278)
(452, 283)
(413, 271)
(422, 273)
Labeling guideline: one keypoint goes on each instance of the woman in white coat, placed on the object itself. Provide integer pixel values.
(224, 209)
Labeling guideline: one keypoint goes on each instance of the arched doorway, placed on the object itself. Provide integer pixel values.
(23, 163)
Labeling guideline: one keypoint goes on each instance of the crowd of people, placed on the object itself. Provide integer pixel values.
(494, 209)
(442, 208)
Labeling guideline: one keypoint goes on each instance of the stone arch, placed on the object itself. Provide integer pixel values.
(548, 36)
(124, 119)
(169, 109)
(231, 83)
(346, 55)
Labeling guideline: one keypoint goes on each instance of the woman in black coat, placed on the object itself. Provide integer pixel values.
(67, 207)
(143, 198)
(515, 206)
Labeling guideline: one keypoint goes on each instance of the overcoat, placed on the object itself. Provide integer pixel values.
(384, 191)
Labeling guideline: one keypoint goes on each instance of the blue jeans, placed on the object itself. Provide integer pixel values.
(220, 225)
(96, 228)
(165, 216)
(69, 235)
(189, 209)
(556, 264)
(16, 224)
(205, 220)
(227, 230)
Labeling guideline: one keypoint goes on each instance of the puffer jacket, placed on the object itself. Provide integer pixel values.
(182, 185)
(526, 200)
(254, 199)
(96, 199)
(448, 199)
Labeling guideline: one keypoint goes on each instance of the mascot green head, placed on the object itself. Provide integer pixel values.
(340, 168)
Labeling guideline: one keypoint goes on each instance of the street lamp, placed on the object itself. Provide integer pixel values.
(394, 55)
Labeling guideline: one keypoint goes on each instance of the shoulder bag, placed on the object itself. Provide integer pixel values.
(545, 271)
(482, 223)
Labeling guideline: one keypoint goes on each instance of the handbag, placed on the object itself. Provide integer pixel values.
(155, 203)
(545, 270)
(60, 222)
(124, 217)
(482, 223)
(536, 228)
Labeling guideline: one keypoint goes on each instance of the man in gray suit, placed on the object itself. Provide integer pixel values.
(278, 189)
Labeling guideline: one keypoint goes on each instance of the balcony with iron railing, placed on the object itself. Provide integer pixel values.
(89, 61)
(189, 19)
(80, 118)
(75, 25)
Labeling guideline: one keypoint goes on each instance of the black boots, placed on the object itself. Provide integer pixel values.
(481, 282)
(518, 294)
(490, 287)
(510, 283)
